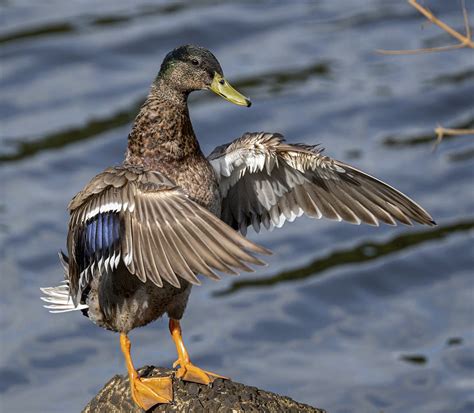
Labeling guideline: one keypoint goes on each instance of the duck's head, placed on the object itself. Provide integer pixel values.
(188, 68)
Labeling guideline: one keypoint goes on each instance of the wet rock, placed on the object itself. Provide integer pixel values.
(222, 396)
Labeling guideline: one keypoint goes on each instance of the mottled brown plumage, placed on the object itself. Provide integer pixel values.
(140, 233)
(162, 139)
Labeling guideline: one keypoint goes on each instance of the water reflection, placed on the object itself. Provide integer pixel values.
(419, 359)
(362, 253)
(355, 302)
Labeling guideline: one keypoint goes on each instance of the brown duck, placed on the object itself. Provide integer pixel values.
(141, 233)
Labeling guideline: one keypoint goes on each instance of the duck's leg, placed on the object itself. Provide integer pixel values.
(146, 391)
(188, 371)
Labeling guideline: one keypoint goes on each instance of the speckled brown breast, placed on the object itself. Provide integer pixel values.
(163, 140)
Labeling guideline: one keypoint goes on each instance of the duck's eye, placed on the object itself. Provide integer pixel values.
(195, 62)
(222, 82)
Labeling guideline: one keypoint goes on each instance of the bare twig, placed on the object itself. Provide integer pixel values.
(421, 51)
(442, 132)
(466, 20)
(463, 40)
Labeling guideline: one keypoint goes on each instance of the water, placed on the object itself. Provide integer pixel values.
(348, 318)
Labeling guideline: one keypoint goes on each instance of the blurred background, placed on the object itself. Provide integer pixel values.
(347, 318)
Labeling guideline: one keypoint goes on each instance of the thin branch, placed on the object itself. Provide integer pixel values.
(442, 132)
(421, 51)
(466, 20)
(448, 29)
(464, 40)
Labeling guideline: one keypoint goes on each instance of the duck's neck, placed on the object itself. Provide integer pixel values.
(162, 132)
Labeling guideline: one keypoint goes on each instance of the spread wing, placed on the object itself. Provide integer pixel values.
(142, 219)
(265, 181)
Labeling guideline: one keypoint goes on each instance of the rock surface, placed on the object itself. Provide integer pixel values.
(222, 396)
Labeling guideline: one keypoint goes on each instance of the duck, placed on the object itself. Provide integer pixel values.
(142, 233)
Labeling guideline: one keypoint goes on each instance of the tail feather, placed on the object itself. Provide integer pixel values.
(59, 298)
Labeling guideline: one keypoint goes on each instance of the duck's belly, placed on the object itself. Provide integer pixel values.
(121, 302)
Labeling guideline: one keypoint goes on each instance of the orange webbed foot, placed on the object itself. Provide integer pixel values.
(149, 391)
(189, 372)
(146, 391)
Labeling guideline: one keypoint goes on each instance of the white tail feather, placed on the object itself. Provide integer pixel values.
(59, 300)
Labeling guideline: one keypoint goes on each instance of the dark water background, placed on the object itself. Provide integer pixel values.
(348, 318)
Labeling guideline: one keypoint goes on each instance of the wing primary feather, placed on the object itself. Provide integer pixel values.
(324, 204)
(166, 271)
(218, 247)
(153, 270)
(234, 249)
(158, 239)
(181, 236)
(385, 203)
(179, 263)
(304, 201)
(205, 217)
(357, 199)
(337, 197)
(188, 259)
(202, 243)
(171, 254)
(152, 267)
(195, 260)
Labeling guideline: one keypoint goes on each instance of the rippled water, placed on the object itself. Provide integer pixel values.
(351, 319)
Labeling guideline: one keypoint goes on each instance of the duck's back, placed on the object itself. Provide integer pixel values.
(196, 177)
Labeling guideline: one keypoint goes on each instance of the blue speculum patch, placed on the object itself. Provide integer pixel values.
(102, 234)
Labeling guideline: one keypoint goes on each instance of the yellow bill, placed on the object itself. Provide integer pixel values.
(222, 87)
